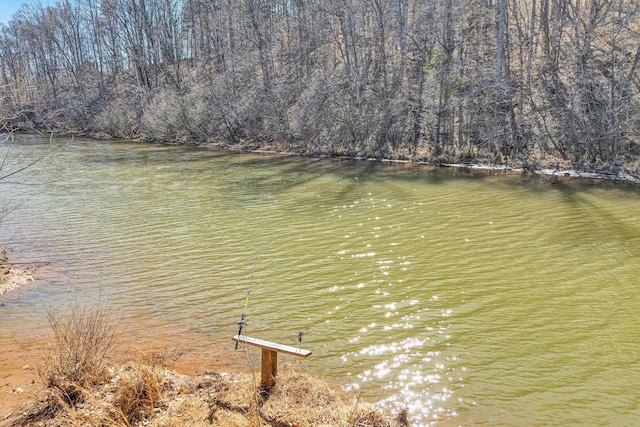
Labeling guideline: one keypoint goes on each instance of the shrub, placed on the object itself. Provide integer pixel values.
(138, 391)
(120, 118)
(75, 360)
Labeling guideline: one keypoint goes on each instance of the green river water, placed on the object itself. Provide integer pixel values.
(470, 298)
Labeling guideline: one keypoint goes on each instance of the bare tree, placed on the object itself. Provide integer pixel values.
(499, 80)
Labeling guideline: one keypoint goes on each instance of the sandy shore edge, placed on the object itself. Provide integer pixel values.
(12, 276)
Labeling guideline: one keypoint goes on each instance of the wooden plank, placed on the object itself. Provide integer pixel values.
(269, 368)
(280, 348)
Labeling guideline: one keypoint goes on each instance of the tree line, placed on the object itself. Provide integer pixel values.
(507, 81)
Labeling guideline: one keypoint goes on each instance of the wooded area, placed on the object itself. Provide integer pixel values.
(505, 81)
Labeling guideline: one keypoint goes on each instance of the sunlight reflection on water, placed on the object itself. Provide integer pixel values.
(490, 300)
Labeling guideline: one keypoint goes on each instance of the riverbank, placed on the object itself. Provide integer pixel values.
(540, 164)
(146, 389)
(143, 387)
(12, 276)
(544, 165)
(145, 392)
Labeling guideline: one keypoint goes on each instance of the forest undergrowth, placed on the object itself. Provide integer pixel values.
(535, 84)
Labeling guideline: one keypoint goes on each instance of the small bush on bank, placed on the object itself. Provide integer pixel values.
(138, 388)
(76, 359)
(120, 119)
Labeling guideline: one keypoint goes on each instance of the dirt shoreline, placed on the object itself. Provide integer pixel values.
(551, 167)
(542, 165)
(11, 276)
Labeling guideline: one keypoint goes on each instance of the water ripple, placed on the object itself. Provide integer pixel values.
(467, 300)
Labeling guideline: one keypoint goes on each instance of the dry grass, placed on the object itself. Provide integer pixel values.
(138, 391)
(144, 391)
(76, 359)
(141, 395)
(299, 398)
